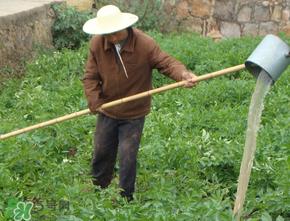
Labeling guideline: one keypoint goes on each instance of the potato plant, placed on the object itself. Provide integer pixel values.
(191, 150)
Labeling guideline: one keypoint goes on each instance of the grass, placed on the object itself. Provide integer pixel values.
(189, 159)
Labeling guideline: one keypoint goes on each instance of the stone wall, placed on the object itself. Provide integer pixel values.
(22, 32)
(228, 18)
(81, 4)
(220, 18)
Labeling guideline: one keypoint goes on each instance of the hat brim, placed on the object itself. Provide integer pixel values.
(95, 27)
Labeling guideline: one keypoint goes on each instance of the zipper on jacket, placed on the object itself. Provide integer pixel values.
(118, 51)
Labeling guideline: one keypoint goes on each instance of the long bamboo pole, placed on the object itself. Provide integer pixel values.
(123, 100)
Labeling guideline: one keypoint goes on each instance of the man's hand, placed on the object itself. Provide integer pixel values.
(190, 78)
(93, 106)
(93, 109)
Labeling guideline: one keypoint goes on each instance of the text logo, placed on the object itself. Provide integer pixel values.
(23, 211)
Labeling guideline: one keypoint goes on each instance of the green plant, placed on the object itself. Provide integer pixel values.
(191, 149)
(67, 29)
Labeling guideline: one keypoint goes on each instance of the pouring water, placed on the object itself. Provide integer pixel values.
(267, 62)
(263, 85)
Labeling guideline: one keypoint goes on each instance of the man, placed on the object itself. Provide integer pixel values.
(120, 64)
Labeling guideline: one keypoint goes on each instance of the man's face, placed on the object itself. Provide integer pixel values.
(116, 37)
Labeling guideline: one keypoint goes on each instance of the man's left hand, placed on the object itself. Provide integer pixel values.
(190, 78)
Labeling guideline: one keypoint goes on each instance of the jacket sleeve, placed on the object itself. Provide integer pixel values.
(92, 83)
(166, 64)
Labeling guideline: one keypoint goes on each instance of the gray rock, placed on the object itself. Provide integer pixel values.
(230, 29)
(224, 10)
(261, 13)
(250, 29)
(244, 14)
(268, 28)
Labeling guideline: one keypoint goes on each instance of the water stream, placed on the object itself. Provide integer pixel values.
(254, 117)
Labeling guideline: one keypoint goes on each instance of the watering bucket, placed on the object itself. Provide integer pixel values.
(271, 55)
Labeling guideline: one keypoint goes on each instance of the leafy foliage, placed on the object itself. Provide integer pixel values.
(67, 28)
(190, 153)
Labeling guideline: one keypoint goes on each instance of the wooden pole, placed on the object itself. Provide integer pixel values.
(123, 100)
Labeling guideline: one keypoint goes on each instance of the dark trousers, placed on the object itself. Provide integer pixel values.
(113, 136)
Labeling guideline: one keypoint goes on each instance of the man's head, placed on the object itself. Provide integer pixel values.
(116, 37)
(109, 20)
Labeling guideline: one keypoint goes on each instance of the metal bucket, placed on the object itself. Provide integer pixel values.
(271, 55)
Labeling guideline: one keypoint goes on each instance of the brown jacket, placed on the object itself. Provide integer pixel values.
(105, 80)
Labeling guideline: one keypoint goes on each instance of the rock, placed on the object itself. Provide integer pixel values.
(250, 29)
(285, 15)
(261, 13)
(277, 13)
(172, 2)
(224, 10)
(200, 8)
(21, 32)
(245, 2)
(192, 24)
(182, 10)
(266, 3)
(229, 29)
(268, 27)
(244, 14)
(215, 35)
(81, 4)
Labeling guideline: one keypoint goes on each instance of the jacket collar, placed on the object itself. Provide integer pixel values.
(129, 45)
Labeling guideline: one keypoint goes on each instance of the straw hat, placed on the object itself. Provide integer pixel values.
(109, 19)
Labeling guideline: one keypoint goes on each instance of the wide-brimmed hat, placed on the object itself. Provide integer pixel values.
(109, 19)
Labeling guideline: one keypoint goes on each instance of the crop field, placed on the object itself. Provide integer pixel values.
(191, 149)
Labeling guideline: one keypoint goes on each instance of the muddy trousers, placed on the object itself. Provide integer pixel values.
(114, 136)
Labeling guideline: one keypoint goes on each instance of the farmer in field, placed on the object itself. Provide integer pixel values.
(120, 64)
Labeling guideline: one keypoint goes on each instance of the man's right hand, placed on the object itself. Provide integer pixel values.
(190, 78)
